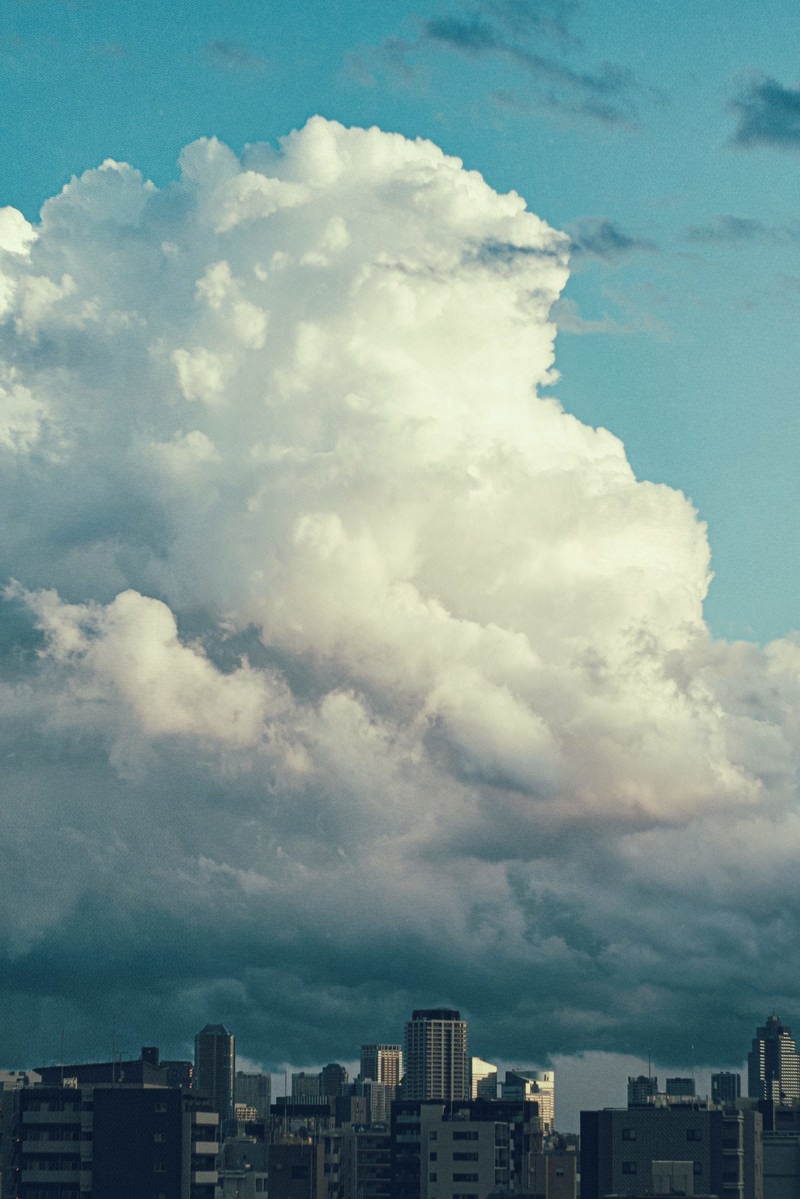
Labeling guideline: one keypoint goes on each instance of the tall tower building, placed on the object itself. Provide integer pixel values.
(726, 1087)
(215, 1067)
(382, 1063)
(437, 1066)
(773, 1067)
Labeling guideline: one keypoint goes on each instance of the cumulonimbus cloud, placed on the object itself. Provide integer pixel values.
(344, 670)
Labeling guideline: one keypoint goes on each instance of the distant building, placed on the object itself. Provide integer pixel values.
(680, 1087)
(726, 1087)
(436, 1055)
(773, 1067)
(215, 1067)
(538, 1086)
(333, 1079)
(305, 1087)
(641, 1090)
(255, 1091)
(382, 1063)
(366, 1164)
(296, 1171)
(482, 1079)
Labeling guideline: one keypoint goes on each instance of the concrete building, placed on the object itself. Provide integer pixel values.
(554, 1175)
(641, 1090)
(474, 1148)
(333, 1079)
(436, 1056)
(215, 1067)
(297, 1171)
(254, 1091)
(638, 1150)
(113, 1142)
(366, 1164)
(773, 1067)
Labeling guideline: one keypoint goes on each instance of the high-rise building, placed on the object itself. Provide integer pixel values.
(773, 1067)
(255, 1091)
(642, 1090)
(726, 1087)
(680, 1088)
(382, 1063)
(436, 1055)
(333, 1079)
(538, 1086)
(482, 1079)
(215, 1067)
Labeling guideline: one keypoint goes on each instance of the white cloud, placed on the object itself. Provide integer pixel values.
(350, 651)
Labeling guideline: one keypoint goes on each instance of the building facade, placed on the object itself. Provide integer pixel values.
(215, 1067)
(773, 1067)
(382, 1063)
(436, 1060)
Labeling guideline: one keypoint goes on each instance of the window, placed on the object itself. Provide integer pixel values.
(432, 1178)
(466, 1135)
(698, 1168)
(432, 1156)
(433, 1136)
(629, 1134)
(465, 1178)
(465, 1157)
(694, 1134)
(629, 1167)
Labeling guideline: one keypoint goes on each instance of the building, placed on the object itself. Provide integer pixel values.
(366, 1164)
(382, 1063)
(482, 1079)
(113, 1142)
(537, 1086)
(215, 1067)
(436, 1056)
(680, 1088)
(333, 1080)
(726, 1087)
(254, 1091)
(642, 1090)
(476, 1148)
(657, 1148)
(773, 1067)
(297, 1171)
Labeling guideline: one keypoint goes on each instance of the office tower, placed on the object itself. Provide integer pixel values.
(254, 1090)
(641, 1090)
(332, 1080)
(305, 1087)
(538, 1086)
(773, 1067)
(436, 1055)
(725, 1087)
(215, 1066)
(680, 1088)
(382, 1063)
(482, 1079)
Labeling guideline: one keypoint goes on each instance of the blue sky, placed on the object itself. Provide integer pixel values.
(344, 653)
(620, 117)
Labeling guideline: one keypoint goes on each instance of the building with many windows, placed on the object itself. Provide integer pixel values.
(215, 1067)
(382, 1063)
(436, 1060)
(773, 1067)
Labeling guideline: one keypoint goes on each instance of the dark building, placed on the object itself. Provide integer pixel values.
(726, 1087)
(215, 1068)
(296, 1171)
(683, 1148)
(110, 1142)
(333, 1079)
(146, 1070)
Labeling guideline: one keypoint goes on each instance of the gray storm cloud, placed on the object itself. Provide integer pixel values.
(344, 670)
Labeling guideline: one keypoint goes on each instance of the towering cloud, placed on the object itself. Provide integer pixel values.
(343, 670)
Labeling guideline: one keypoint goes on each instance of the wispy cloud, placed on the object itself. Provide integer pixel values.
(599, 237)
(233, 56)
(534, 38)
(725, 228)
(768, 114)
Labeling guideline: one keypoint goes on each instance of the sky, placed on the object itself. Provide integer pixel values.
(398, 448)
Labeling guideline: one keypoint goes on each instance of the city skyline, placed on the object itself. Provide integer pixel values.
(398, 441)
